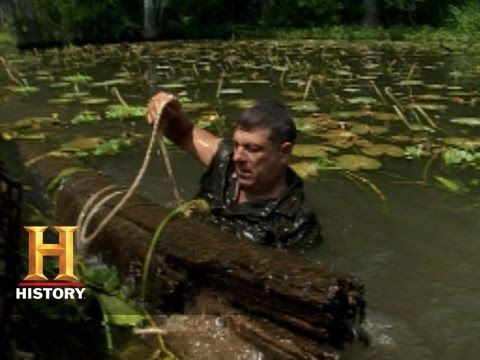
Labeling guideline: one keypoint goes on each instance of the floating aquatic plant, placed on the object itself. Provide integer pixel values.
(86, 117)
(77, 79)
(112, 146)
(357, 162)
(124, 112)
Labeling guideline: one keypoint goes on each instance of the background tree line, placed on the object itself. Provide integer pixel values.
(63, 21)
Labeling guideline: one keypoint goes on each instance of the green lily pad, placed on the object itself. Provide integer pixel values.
(362, 100)
(470, 121)
(242, 103)
(94, 101)
(60, 85)
(345, 115)
(123, 112)
(250, 82)
(464, 143)
(113, 82)
(77, 79)
(75, 95)
(172, 86)
(231, 91)
(429, 106)
(411, 83)
(194, 106)
(87, 143)
(305, 169)
(112, 146)
(61, 101)
(358, 162)
(86, 117)
(24, 90)
(303, 106)
(383, 149)
(309, 150)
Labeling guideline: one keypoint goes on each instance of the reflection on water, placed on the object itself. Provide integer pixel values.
(417, 253)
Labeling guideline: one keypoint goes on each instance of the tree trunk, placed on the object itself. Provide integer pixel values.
(150, 20)
(26, 24)
(371, 13)
(267, 9)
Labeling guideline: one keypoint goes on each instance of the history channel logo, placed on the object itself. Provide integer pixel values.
(36, 285)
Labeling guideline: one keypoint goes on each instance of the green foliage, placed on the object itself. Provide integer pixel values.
(123, 112)
(114, 298)
(8, 43)
(454, 156)
(466, 17)
(67, 21)
(112, 147)
(414, 152)
(86, 117)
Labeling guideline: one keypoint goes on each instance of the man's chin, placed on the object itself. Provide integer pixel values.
(245, 183)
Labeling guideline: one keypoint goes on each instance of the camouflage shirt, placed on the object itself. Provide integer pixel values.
(279, 222)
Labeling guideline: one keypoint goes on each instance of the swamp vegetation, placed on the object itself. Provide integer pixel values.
(389, 148)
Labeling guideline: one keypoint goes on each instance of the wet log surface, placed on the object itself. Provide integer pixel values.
(296, 308)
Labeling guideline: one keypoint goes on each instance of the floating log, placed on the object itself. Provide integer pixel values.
(285, 305)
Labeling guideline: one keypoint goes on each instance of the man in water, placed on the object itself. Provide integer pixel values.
(252, 191)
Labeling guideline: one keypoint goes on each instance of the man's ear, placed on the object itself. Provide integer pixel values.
(286, 149)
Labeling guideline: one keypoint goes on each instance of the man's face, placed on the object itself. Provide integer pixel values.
(259, 162)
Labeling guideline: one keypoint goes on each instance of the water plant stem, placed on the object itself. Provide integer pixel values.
(168, 167)
(379, 93)
(402, 116)
(372, 186)
(307, 87)
(119, 96)
(426, 116)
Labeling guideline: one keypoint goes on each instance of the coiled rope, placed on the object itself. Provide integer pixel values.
(93, 204)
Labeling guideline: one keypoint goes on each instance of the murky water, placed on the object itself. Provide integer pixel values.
(416, 251)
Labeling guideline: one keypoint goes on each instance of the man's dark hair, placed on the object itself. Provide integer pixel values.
(269, 114)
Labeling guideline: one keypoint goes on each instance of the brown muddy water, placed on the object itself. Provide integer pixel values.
(408, 229)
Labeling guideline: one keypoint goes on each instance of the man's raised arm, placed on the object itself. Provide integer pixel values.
(199, 143)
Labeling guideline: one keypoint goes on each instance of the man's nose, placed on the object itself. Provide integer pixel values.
(238, 154)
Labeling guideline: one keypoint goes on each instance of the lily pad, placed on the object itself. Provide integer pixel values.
(309, 150)
(60, 85)
(24, 90)
(86, 117)
(112, 146)
(358, 162)
(429, 106)
(61, 101)
(231, 91)
(383, 149)
(77, 79)
(123, 112)
(411, 83)
(470, 121)
(305, 169)
(351, 114)
(95, 101)
(195, 106)
(87, 143)
(362, 100)
(242, 103)
(464, 143)
(303, 106)
(172, 86)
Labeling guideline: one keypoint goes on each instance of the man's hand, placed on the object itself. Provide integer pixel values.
(171, 111)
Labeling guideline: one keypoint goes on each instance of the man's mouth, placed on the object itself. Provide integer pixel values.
(243, 173)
